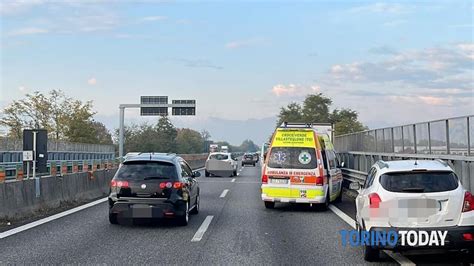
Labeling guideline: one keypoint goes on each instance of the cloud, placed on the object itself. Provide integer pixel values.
(197, 63)
(92, 81)
(436, 68)
(294, 90)
(382, 50)
(27, 31)
(427, 100)
(243, 43)
(153, 18)
(386, 8)
(11, 7)
(394, 23)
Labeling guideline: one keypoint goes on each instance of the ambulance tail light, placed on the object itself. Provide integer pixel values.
(468, 202)
(319, 181)
(374, 200)
(265, 179)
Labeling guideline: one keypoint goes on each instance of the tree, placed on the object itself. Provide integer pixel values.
(248, 145)
(205, 135)
(346, 121)
(166, 135)
(78, 127)
(316, 109)
(102, 134)
(31, 112)
(292, 113)
(189, 141)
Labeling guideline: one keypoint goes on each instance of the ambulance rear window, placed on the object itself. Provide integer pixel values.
(292, 158)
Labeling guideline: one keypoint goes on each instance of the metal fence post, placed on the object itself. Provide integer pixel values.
(429, 137)
(468, 138)
(414, 138)
(448, 148)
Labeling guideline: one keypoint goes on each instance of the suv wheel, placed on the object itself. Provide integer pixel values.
(195, 210)
(184, 219)
(371, 254)
(206, 173)
(113, 218)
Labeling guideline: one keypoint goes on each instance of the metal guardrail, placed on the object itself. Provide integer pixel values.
(9, 144)
(452, 136)
(354, 175)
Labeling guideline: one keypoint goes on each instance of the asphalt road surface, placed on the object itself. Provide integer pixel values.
(241, 231)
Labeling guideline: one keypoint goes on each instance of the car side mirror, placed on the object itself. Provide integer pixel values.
(354, 186)
(196, 174)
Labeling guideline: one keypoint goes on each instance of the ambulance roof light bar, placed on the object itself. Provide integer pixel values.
(303, 125)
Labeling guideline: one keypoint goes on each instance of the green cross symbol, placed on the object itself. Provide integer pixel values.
(305, 158)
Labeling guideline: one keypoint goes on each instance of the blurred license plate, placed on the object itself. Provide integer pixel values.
(279, 181)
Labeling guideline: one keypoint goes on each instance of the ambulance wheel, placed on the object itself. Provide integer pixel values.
(206, 173)
(324, 206)
(269, 204)
(371, 254)
(339, 198)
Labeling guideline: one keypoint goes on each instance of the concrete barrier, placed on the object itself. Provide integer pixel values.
(18, 198)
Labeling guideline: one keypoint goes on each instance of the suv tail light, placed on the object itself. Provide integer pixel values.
(468, 202)
(177, 185)
(264, 179)
(119, 184)
(374, 200)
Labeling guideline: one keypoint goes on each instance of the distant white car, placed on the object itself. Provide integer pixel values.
(220, 164)
(409, 195)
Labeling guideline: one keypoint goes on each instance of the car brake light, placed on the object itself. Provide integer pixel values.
(319, 181)
(178, 185)
(164, 185)
(264, 179)
(119, 184)
(468, 202)
(467, 237)
(374, 200)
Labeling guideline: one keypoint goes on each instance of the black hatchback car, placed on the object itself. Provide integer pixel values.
(154, 185)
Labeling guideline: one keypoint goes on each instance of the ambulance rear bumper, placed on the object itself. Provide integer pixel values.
(318, 199)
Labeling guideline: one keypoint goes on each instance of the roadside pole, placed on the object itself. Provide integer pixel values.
(37, 181)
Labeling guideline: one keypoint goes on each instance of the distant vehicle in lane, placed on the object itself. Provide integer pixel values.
(415, 195)
(213, 148)
(154, 185)
(220, 164)
(248, 159)
(224, 149)
(301, 167)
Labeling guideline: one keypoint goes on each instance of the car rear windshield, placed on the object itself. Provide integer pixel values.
(419, 182)
(146, 170)
(248, 156)
(292, 158)
(219, 157)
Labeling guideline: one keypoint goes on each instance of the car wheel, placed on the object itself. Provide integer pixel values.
(371, 253)
(269, 204)
(235, 172)
(206, 173)
(195, 210)
(113, 218)
(184, 219)
(242, 164)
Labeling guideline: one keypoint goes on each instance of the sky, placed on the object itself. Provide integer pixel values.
(393, 62)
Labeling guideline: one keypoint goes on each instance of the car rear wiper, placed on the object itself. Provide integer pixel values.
(413, 189)
(155, 177)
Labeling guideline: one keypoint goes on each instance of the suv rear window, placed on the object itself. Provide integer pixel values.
(219, 157)
(145, 170)
(292, 158)
(419, 182)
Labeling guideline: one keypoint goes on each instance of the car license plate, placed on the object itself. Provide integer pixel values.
(141, 211)
(279, 181)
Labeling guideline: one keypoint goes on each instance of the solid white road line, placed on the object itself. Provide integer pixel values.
(202, 229)
(346, 218)
(224, 193)
(233, 180)
(49, 219)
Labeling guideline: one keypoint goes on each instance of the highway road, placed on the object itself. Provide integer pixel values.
(241, 231)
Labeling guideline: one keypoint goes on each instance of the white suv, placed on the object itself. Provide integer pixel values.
(415, 195)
